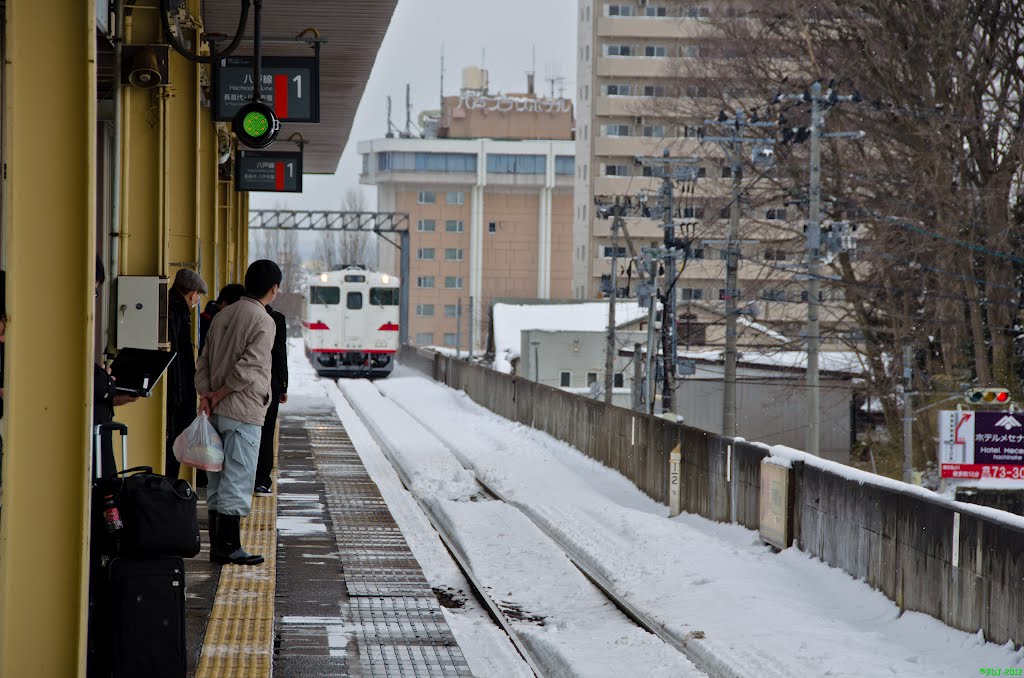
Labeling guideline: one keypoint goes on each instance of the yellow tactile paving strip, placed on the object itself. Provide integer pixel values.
(240, 636)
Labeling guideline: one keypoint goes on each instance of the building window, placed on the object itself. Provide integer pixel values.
(696, 12)
(696, 91)
(618, 50)
(726, 172)
(565, 164)
(492, 227)
(591, 378)
(775, 214)
(455, 198)
(651, 11)
(451, 311)
(721, 295)
(616, 130)
(773, 294)
(616, 171)
(453, 254)
(426, 198)
(774, 255)
(619, 10)
(565, 379)
(424, 310)
(690, 51)
(424, 338)
(451, 339)
(655, 51)
(425, 254)
(654, 90)
(690, 131)
(587, 53)
(656, 131)
(690, 331)
(653, 171)
(354, 301)
(693, 212)
(697, 253)
(454, 226)
(425, 281)
(426, 225)
(618, 381)
(453, 282)
(691, 293)
(618, 90)
(440, 162)
(502, 163)
(618, 251)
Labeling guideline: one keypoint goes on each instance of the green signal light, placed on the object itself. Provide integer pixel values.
(255, 124)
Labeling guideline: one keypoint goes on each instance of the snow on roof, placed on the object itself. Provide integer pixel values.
(758, 327)
(511, 319)
(849, 362)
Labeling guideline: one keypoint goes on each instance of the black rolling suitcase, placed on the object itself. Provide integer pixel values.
(147, 599)
(137, 616)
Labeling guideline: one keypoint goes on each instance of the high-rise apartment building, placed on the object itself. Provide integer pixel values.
(641, 64)
(489, 191)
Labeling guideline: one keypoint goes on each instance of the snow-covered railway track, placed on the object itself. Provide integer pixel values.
(633, 629)
(698, 655)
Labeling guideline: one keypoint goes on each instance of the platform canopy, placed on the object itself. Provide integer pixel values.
(353, 30)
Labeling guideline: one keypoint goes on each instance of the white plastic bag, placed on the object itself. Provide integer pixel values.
(200, 445)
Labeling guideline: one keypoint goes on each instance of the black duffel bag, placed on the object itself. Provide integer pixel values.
(159, 515)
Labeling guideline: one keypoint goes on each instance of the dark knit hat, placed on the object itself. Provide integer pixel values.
(188, 280)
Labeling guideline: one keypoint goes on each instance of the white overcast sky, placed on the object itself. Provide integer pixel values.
(499, 33)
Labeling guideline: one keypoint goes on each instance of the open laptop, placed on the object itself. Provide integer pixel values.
(136, 371)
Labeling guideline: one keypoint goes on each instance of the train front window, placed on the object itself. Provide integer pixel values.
(325, 295)
(384, 296)
(354, 301)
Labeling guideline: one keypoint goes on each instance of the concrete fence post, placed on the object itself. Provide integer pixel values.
(675, 481)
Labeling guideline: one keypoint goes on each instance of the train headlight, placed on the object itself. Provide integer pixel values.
(323, 277)
(385, 279)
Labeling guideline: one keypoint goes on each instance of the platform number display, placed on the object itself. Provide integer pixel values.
(290, 85)
(272, 171)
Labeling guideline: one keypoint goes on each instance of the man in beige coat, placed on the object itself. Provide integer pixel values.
(233, 381)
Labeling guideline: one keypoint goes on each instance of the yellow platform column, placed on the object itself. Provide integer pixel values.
(49, 227)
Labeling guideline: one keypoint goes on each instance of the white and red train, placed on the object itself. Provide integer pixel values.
(351, 323)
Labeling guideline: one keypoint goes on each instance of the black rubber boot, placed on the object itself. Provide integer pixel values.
(230, 551)
(214, 519)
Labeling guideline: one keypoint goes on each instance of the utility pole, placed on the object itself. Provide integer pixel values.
(609, 358)
(471, 328)
(638, 397)
(820, 103)
(671, 245)
(458, 329)
(733, 147)
(908, 415)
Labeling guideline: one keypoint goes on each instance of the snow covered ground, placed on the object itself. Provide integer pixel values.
(761, 613)
(570, 628)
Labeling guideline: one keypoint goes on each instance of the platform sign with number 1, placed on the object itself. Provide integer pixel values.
(291, 86)
(271, 171)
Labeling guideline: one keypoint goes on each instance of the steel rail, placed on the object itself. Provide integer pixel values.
(460, 558)
(701, 657)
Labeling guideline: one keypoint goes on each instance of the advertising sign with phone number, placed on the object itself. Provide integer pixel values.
(975, 445)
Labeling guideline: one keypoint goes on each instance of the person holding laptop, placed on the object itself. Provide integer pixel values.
(233, 380)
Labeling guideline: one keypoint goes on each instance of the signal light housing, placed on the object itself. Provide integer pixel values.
(987, 396)
(256, 125)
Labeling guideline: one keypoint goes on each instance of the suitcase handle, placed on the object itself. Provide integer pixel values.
(98, 430)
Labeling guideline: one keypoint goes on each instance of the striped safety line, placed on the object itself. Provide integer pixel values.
(239, 639)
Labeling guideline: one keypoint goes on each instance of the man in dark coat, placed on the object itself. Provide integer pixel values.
(229, 294)
(278, 395)
(181, 391)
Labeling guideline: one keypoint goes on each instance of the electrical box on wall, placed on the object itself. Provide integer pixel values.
(141, 311)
